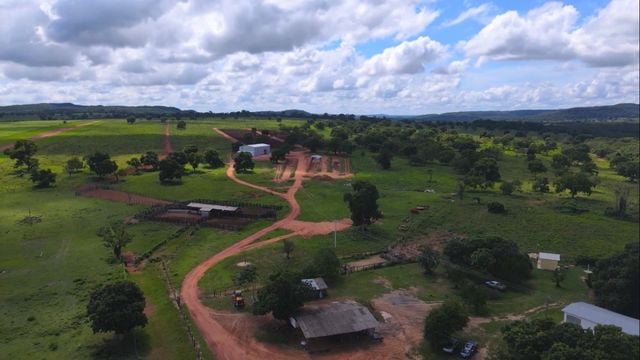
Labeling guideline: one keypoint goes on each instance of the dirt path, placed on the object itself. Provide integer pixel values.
(222, 342)
(225, 135)
(93, 190)
(166, 142)
(49, 134)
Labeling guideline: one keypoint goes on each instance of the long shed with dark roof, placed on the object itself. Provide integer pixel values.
(336, 318)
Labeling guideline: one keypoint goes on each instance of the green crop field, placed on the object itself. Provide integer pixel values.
(49, 267)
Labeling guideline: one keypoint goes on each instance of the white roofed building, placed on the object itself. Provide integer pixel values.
(589, 316)
(548, 261)
(256, 149)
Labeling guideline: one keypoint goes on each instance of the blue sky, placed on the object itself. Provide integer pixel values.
(356, 56)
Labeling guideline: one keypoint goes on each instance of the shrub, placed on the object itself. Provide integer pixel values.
(496, 207)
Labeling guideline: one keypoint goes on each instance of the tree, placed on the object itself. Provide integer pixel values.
(74, 165)
(508, 187)
(536, 166)
(575, 183)
(170, 170)
(616, 281)
(429, 259)
(179, 157)
(243, 162)
(282, 295)
(278, 155)
(324, 264)
(182, 125)
(287, 248)
(134, 163)
(560, 163)
(363, 203)
(246, 275)
(541, 185)
(629, 169)
(474, 296)
(544, 339)
(384, 159)
(150, 158)
(212, 158)
(496, 207)
(194, 160)
(483, 174)
(43, 178)
(101, 164)
(131, 120)
(115, 237)
(557, 276)
(117, 307)
(22, 152)
(443, 321)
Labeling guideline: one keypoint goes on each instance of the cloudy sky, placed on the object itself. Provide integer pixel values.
(356, 56)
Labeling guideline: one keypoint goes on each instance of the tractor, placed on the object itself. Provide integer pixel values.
(238, 300)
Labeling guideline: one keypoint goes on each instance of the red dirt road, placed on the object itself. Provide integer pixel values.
(49, 134)
(223, 343)
(225, 135)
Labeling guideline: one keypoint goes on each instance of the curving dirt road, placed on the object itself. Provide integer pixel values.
(223, 343)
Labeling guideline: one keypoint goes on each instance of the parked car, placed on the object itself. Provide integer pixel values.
(451, 346)
(496, 285)
(470, 348)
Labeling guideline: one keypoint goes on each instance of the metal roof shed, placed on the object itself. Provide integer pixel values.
(588, 316)
(334, 319)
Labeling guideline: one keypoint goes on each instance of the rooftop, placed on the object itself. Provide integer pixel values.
(603, 316)
(549, 256)
(257, 145)
(316, 284)
(209, 207)
(334, 319)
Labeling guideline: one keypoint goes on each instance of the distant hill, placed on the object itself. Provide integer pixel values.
(47, 111)
(594, 113)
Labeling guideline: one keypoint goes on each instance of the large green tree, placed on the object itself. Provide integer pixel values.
(443, 321)
(324, 264)
(616, 281)
(170, 170)
(117, 307)
(150, 158)
(101, 164)
(243, 162)
(212, 158)
(43, 178)
(575, 183)
(22, 152)
(115, 237)
(544, 339)
(282, 295)
(363, 203)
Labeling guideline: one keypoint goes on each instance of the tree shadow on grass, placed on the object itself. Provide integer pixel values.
(131, 346)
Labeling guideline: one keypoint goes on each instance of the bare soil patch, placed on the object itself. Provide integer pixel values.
(411, 249)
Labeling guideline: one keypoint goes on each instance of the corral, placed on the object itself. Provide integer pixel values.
(220, 214)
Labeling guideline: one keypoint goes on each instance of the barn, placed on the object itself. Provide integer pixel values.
(256, 149)
(205, 210)
(548, 261)
(589, 316)
(336, 318)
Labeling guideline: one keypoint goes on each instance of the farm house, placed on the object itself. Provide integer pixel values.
(318, 285)
(337, 318)
(548, 261)
(588, 316)
(256, 149)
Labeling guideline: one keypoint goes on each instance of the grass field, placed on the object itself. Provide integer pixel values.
(47, 269)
